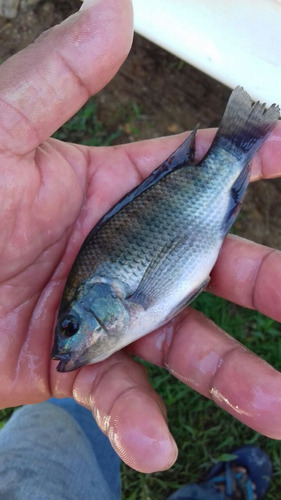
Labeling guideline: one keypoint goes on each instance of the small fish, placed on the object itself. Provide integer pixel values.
(152, 253)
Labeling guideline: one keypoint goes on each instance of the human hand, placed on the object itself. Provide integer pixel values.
(52, 194)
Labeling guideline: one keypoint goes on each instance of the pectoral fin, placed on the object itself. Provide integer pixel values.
(159, 276)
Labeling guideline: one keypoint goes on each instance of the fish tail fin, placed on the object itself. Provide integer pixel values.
(245, 125)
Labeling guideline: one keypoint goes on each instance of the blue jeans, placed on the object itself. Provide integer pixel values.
(55, 451)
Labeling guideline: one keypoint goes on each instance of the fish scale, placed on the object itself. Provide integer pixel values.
(178, 217)
(153, 252)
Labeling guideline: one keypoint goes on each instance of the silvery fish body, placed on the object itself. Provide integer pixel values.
(152, 253)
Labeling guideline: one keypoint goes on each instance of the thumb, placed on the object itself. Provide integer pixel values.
(45, 84)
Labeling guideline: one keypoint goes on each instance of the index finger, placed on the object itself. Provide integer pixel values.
(249, 274)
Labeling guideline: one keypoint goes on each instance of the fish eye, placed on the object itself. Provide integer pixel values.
(69, 325)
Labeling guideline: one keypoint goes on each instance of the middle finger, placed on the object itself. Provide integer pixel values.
(200, 354)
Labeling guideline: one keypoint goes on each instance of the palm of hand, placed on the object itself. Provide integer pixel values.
(46, 213)
(52, 195)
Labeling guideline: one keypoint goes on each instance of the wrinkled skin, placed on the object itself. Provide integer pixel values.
(52, 194)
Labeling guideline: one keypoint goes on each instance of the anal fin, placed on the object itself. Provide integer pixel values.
(236, 197)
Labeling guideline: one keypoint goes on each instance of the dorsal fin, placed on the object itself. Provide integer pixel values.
(182, 156)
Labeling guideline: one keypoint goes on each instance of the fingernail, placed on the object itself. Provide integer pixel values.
(144, 444)
(88, 3)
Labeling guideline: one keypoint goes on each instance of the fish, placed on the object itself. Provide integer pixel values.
(152, 253)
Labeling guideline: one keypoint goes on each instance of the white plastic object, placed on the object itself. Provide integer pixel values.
(238, 42)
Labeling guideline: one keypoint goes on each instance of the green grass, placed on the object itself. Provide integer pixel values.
(204, 432)
(5, 415)
(86, 127)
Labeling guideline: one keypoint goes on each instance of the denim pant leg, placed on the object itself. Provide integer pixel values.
(45, 454)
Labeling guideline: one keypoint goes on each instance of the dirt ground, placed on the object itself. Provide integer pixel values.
(158, 95)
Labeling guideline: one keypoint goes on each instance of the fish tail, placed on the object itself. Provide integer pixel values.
(245, 125)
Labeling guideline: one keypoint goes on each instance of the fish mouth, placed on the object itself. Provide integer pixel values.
(57, 355)
(71, 360)
(66, 363)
